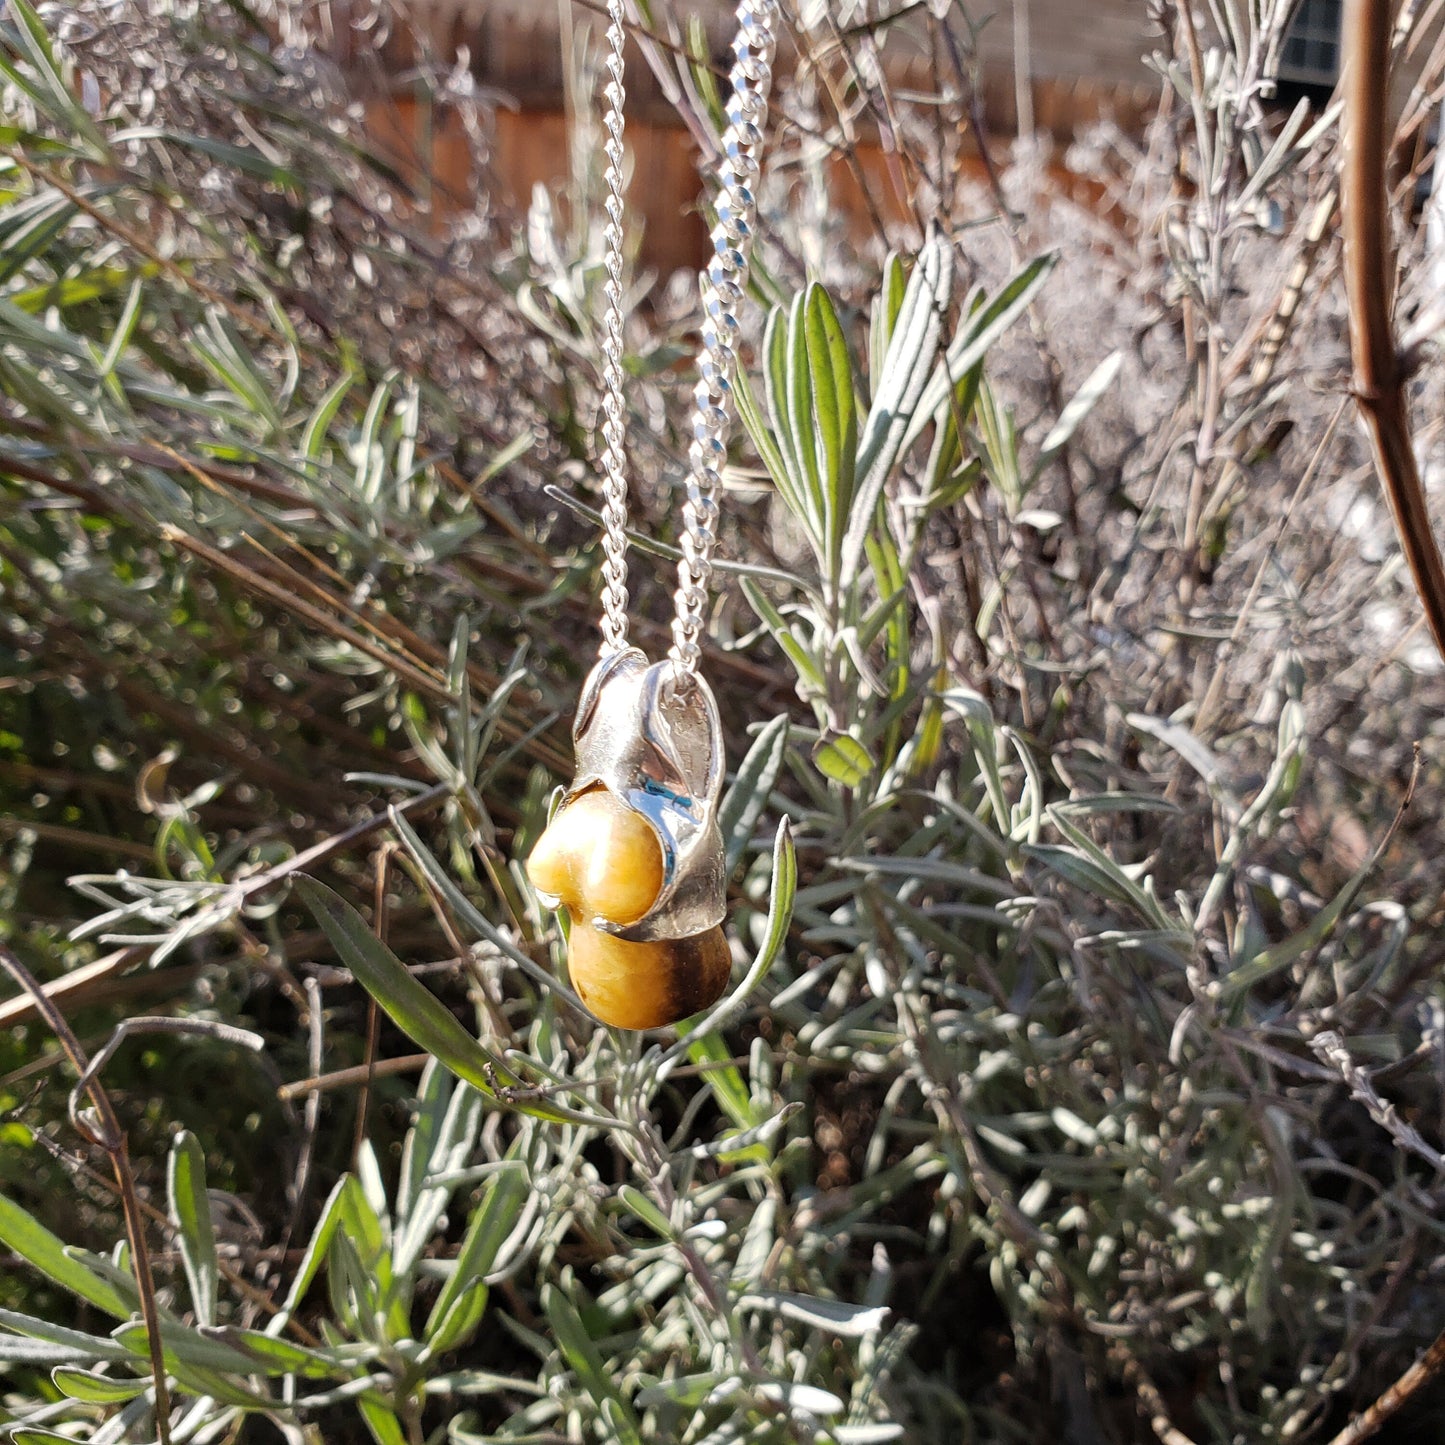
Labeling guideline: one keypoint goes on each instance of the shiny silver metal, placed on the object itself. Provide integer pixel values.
(614, 459)
(649, 732)
(722, 291)
(659, 749)
(722, 285)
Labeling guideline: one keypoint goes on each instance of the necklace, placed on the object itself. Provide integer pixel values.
(634, 851)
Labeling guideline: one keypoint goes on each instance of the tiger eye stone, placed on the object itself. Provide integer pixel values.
(647, 985)
(603, 860)
(600, 858)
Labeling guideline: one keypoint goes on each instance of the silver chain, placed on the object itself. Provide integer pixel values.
(722, 285)
(614, 460)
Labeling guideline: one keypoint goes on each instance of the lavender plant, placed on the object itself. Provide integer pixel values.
(1078, 1074)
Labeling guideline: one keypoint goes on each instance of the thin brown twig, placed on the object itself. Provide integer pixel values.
(22, 1008)
(363, 1074)
(109, 1136)
(380, 923)
(1379, 373)
(1369, 1421)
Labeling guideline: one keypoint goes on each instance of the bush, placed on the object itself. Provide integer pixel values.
(1076, 1081)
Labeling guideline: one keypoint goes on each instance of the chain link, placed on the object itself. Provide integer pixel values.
(614, 459)
(722, 286)
(722, 290)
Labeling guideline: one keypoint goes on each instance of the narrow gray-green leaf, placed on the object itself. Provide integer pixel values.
(181, 1343)
(491, 1222)
(37, 1354)
(978, 333)
(775, 355)
(781, 893)
(585, 1360)
(907, 364)
(311, 1259)
(854, 1322)
(1083, 401)
(190, 1209)
(57, 98)
(761, 435)
(31, 1240)
(381, 1420)
(835, 413)
(282, 1357)
(798, 411)
(747, 799)
(94, 1388)
(93, 1347)
(410, 1005)
(887, 304)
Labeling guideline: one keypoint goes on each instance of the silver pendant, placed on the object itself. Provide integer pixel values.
(658, 748)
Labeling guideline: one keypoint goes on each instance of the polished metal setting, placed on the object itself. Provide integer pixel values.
(659, 749)
(649, 732)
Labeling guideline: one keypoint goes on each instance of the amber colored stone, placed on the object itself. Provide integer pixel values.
(600, 858)
(647, 985)
(603, 860)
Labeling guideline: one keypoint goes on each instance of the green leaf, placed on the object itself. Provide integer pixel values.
(124, 328)
(810, 676)
(409, 1005)
(319, 423)
(775, 353)
(834, 410)
(274, 1356)
(48, 87)
(1280, 955)
(370, 456)
(585, 1360)
(887, 305)
(1144, 902)
(190, 1209)
(984, 326)
(362, 1225)
(897, 389)
(1083, 401)
(781, 893)
(183, 1345)
(461, 1319)
(491, 1222)
(381, 1420)
(712, 1054)
(240, 158)
(92, 1347)
(645, 1210)
(798, 412)
(37, 1354)
(34, 1243)
(843, 759)
(225, 356)
(311, 1260)
(769, 450)
(747, 799)
(96, 1389)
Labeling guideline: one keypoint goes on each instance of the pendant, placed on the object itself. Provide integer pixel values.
(635, 852)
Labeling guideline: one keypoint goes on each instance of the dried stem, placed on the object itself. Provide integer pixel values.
(111, 1137)
(1379, 372)
(1368, 1423)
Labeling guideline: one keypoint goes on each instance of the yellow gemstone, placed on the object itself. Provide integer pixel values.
(647, 985)
(600, 858)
